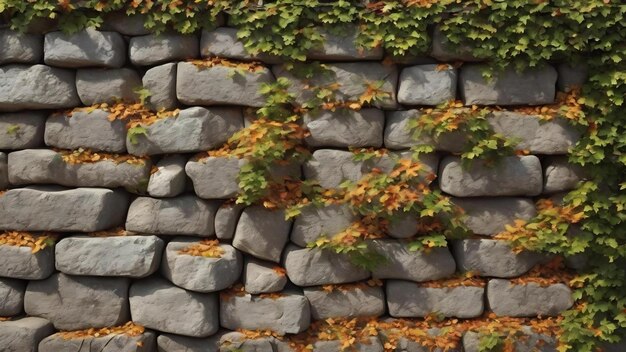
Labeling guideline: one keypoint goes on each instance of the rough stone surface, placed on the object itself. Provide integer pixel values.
(84, 129)
(398, 135)
(512, 176)
(262, 277)
(343, 47)
(160, 81)
(48, 208)
(489, 216)
(426, 85)
(262, 233)
(158, 304)
(357, 301)
(145, 342)
(177, 343)
(44, 166)
(507, 299)
(131, 25)
(197, 273)
(345, 128)
(170, 179)
(22, 130)
(229, 341)
(193, 130)
(4, 172)
(36, 87)
(20, 48)
(24, 334)
(220, 85)
(21, 263)
(226, 220)
(410, 300)
(405, 225)
(532, 87)
(107, 85)
(332, 167)
(571, 77)
(314, 222)
(312, 267)
(404, 264)
(154, 49)
(223, 42)
(128, 256)
(531, 342)
(11, 296)
(288, 314)
(215, 177)
(183, 215)
(87, 48)
(561, 176)
(79, 302)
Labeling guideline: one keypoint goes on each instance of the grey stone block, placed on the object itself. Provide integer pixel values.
(48, 208)
(226, 220)
(288, 314)
(84, 129)
(24, 334)
(345, 128)
(154, 49)
(314, 222)
(312, 267)
(410, 300)
(353, 79)
(44, 166)
(331, 167)
(443, 50)
(397, 134)
(20, 48)
(220, 85)
(426, 85)
(530, 341)
(511, 176)
(87, 48)
(561, 176)
(215, 177)
(36, 87)
(201, 274)
(404, 225)
(12, 293)
(159, 305)
(160, 81)
(237, 341)
(528, 300)
(532, 87)
(170, 179)
(107, 85)
(489, 216)
(176, 343)
(4, 172)
(571, 76)
(343, 47)
(404, 264)
(183, 215)
(128, 256)
(22, 130)
(371, 344)
(21, 263)
(192, 130)
(121, 22)
(349, 302)
(262, 233)
(223, 42)
(145, 342)
(262, 277)
(78, 302)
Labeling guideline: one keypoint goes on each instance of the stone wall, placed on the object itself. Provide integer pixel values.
(125, 219)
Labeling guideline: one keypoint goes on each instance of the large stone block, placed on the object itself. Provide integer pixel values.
(527, 300)
(343, 47)
(314, 222)
(170, 179)
(21, 263)
(44, 166)
(83, 129)
(238, 341)
(398, 135)
(288, 314)
(128, 256)
(345, 128)
(215, 177)
(192, 130)
(160, 81)
(107, 85)
(529, 341)
(20, 48)
(183, 215)
(226, 220)
(36, 87)
(346, 302)
(532, 87)
(262, 233)
(403, 264)
(198, 273)
(48, 208)
(158, 304)
(262, 277)
(561, 176)
(410, 300)
(24, 334)
(331, 167)
(154, 49)
(427, 85)
(123, 23)
(145, 342)
(489, 216)
(220, 85)
(511, 176)
(22, 130)
(78, 302)
(223, 42)
(12, 293)
(312, 267)
(87, 48)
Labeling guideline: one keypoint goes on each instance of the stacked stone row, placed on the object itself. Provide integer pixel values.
(89, 281)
